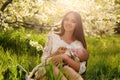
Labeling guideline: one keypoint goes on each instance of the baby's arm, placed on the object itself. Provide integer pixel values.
(60, 50)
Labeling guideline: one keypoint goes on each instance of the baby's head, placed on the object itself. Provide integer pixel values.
(81, 53)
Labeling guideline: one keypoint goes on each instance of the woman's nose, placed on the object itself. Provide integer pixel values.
(68, 22)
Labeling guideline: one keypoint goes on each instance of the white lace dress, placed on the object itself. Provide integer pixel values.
(54, 42)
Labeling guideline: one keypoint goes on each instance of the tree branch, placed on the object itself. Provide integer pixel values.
(5, 5)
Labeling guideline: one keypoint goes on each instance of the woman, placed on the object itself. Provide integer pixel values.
(71, 37)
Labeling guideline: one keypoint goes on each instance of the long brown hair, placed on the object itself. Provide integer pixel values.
(78, 32)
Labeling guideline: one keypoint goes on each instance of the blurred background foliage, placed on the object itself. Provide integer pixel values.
(24, 25)
(99, 16)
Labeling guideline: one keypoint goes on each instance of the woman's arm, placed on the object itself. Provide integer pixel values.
(56, 57)
(82, 54)
(47, 49)
(69, 61)
(77, 66)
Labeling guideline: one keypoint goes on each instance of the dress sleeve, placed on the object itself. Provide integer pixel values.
(47, 48)
(82, 67)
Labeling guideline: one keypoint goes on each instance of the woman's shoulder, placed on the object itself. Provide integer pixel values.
(54, 34)
(78, 44)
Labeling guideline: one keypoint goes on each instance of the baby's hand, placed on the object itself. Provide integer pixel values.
(62, 50)
(68, 52)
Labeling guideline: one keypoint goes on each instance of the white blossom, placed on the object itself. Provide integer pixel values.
(34, 44)
(28, 36)
(39, 47)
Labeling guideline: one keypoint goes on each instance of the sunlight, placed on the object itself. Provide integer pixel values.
(74, 5)
(40, 0)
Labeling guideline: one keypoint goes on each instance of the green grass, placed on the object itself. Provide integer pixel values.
(9, 62)
(103, 63)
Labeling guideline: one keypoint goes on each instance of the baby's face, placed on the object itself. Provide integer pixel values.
(76, 51)
(80, 53)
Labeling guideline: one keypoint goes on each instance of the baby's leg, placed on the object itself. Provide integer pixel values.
(71, 73)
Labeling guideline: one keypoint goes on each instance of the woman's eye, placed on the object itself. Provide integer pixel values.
(66, 19)
(71, 20)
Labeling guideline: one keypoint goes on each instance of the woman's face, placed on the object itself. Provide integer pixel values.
(69, 23)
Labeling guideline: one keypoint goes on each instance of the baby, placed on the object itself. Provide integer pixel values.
(77, 54)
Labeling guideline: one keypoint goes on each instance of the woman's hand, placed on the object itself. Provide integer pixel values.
(57, 59)
(61, 50)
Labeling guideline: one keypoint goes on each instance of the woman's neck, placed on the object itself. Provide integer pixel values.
(68, 37)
